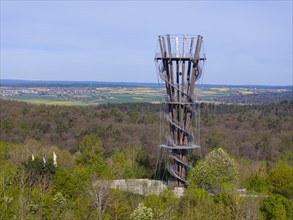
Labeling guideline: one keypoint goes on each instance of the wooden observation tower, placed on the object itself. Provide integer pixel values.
(179, 65)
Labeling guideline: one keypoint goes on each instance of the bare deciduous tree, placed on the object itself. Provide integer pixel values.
(99, 193)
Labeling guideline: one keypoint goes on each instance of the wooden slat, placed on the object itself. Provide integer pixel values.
(195, 65)
(176, 47)
(189, 66)
(161, 47)
(165, 62)
(182, 153)
(183, 46)
(164, 46)
(163, 52)
(178, 100)
(172, 82)
(186, 122)
(182, 89)
(175, 134)
(166, 70)
(171, 63)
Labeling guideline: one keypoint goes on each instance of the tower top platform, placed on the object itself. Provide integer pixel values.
(180, 47)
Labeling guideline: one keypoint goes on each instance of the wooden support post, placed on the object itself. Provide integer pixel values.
(187, 107)
(177, 88)
(178, 166)
(172, 98)
(176, 47)
(193, 77)
(178, 100)
(163, 53)
(183, 152)
(189, 66)
(171, 63)
(182, 90)
(195, 70)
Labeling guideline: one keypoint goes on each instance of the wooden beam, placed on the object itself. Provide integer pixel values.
(175, 134)
(195, 68)
(182, 89)
(178, 100)
(180, 58)
(193, 77)
(164, 54)
(161, 47)
(171, 63)
(176, 47)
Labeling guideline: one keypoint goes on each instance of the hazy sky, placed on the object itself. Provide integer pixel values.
(246, 42)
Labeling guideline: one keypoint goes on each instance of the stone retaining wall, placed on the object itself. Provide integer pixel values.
(141, 186)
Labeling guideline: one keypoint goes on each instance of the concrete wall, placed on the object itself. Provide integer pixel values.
(143, 186)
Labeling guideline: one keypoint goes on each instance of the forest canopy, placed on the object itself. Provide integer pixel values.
(112, 141)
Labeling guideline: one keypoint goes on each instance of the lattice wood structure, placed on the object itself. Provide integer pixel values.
(179, 68)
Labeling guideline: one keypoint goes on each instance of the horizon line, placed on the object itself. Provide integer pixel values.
(93, 81)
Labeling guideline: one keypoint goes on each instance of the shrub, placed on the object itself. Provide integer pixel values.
(142, 213)
(257, 183)
(216, 170)
(276, 207)
(280, 177)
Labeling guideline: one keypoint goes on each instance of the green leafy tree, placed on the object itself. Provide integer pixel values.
(72, 185)
(55, 206)
(142, 213)
(40, 170)
(164, 206)
(157, 203)
(8, 190)
(134, 155)
(281, 177)
(216, 169)
(68, 182)
(287, 191)
(6, 124)
(91, 155)
(40, 174)
(5, 149)
(196, 203)
(257, 183)
(195, 195)
(119, 208)
(276, 207)
(90, 149)
(120, 166)
(236, 206)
